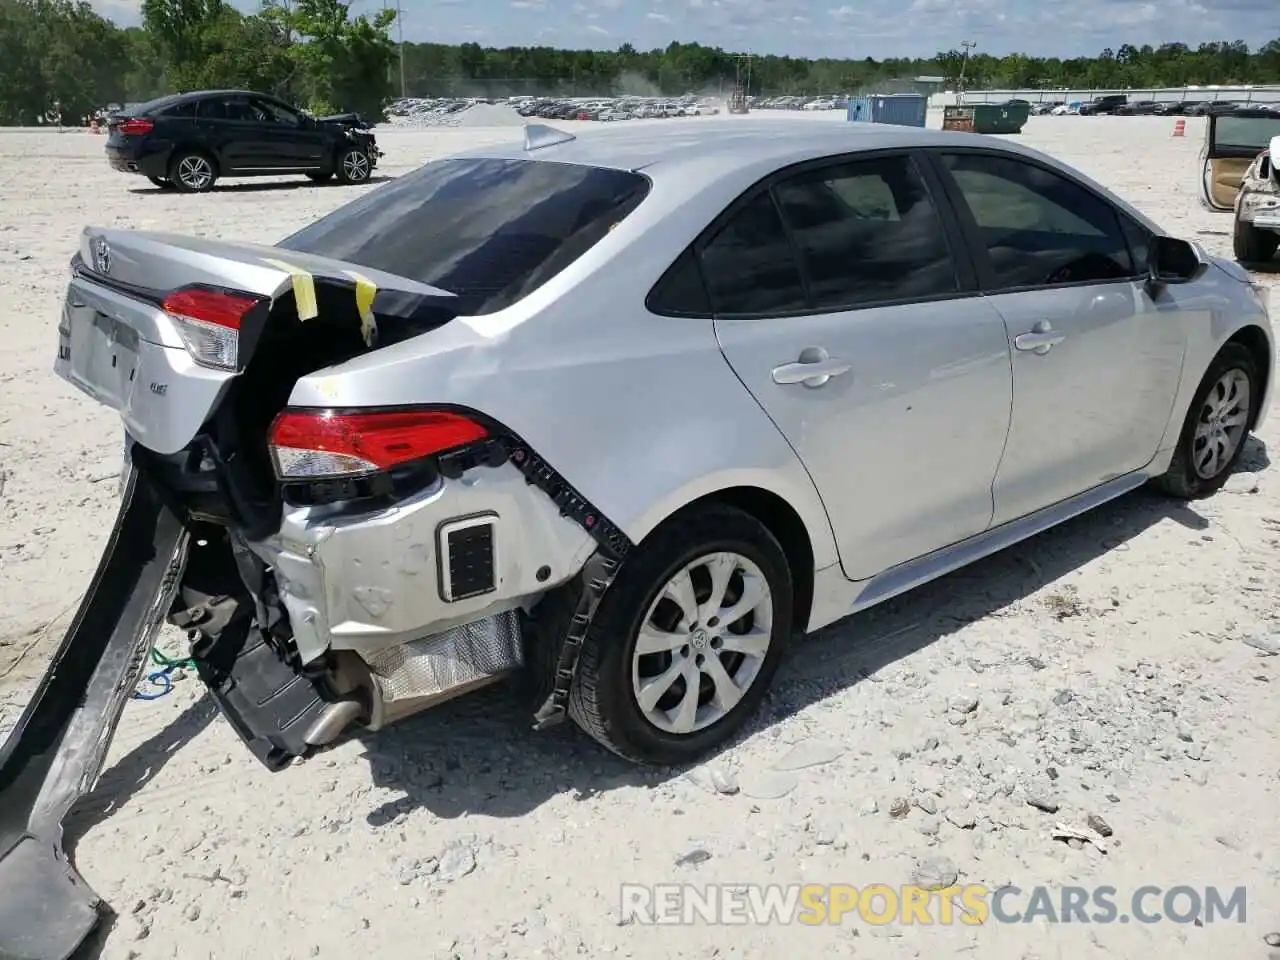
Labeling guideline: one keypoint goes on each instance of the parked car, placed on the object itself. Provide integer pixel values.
(397, 456)
(189, 141)
(1103, 105)
(1232, 143)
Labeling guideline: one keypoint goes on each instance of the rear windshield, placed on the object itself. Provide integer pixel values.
(1245, 133)
(490, 231)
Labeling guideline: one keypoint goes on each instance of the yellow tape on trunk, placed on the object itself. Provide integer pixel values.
(304, 289)
(366, 290)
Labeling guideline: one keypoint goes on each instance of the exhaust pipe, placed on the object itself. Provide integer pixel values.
(56, 752)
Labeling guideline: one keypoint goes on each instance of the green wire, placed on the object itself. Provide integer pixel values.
(171, 663)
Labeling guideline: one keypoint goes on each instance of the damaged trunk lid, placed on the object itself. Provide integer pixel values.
(158, 326)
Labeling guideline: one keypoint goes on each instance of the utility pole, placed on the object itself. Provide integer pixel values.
(968, 45)
(400, 24)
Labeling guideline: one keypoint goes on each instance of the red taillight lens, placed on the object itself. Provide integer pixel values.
(209, 321)
(321, 444)
(135, 126)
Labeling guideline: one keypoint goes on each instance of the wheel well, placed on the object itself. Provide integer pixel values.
(1255, 341)
(785, 524)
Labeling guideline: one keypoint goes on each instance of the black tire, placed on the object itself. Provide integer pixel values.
(162, 182)
(183, 169)
(1252, 245)
(320, 177)
(1182, 479)
(354, 165)
(602, 701)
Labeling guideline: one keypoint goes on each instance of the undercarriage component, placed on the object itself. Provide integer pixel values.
(55, 753)
(270, 705)
(411, 677)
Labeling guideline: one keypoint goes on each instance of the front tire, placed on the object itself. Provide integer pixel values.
(1252, 245)
(686, 640)
(1216, 427)
(354, 165)
(162, 182)
(191, 171)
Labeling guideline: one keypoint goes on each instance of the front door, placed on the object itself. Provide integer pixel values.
(289, 140)
(839, 305)
(1096, 362)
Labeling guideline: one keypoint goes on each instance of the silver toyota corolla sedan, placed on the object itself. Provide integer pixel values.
(615, 415)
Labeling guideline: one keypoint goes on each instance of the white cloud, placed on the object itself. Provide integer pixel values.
(657, 17)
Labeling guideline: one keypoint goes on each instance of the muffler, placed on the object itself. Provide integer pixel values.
(56, 752)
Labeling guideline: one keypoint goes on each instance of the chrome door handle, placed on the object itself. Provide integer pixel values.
(812, 373)
(1040, 340)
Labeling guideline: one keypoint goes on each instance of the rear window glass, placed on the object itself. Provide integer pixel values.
(490, 231)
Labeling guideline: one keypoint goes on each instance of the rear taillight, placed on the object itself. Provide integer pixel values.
(135, 126)
(209, 321)
(322, 444)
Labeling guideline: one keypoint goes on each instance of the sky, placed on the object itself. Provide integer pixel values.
(824, 28)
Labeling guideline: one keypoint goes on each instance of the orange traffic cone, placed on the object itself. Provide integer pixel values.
(1180, 127)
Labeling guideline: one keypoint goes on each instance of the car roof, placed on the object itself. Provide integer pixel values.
(734, 143)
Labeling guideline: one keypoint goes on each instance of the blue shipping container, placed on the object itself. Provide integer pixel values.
(902, 109)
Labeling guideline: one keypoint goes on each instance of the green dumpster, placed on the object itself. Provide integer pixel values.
(1000, 117)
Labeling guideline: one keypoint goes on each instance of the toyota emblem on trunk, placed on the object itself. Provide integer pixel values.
(102, 255)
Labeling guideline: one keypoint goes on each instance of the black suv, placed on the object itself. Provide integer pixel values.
(188, 140)
(1104, 105)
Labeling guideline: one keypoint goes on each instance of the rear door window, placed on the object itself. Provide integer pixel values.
(489, 230)
(224, 108)
(749, 265)
(867, 232)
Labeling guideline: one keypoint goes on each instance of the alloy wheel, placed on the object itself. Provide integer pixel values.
(1221, 426)
(355, 166)
(195, 172)
(703, 643)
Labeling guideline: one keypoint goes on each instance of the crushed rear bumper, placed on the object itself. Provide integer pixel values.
(56, 752)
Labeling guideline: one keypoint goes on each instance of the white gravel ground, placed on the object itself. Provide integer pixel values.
(1105, 667)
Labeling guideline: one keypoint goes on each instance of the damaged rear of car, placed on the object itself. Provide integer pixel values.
(1256, 233)
(335, 563)
(346, 565)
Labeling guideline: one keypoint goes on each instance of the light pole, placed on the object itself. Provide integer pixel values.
(400, 25)
(967, 45)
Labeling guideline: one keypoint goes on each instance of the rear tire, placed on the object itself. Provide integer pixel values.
(162, 182)
(320, 177)
(191, 171)
(354, 165)
(1252, 245)
(1227, 399)
(711, 658)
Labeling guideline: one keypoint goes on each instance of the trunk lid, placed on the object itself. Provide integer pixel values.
(118, 344)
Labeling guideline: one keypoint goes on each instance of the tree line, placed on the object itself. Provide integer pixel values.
(59, 58)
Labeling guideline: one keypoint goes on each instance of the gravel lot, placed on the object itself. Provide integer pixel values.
(1105, 669)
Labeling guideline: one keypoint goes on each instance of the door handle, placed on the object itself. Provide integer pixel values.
(1040, 340)
(813, 369)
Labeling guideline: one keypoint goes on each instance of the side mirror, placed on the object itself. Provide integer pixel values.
(1170, 260)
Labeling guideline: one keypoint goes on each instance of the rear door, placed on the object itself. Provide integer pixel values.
(842, 306)
(1232, 140)
(1096, 362)
(228, 128)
